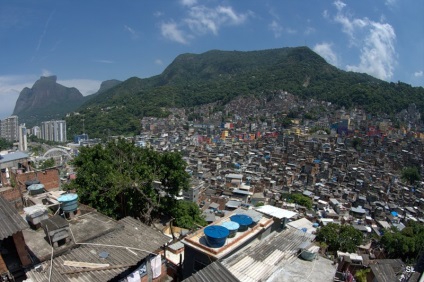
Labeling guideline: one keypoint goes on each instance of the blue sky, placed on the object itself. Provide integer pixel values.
(86, 42)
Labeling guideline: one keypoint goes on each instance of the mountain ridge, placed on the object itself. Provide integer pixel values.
(220, 76)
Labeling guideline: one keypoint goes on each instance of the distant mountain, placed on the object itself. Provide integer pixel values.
(196, 79)
(105, 85)
(46, 100)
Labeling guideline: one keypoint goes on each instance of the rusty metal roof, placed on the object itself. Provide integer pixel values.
(10, 220)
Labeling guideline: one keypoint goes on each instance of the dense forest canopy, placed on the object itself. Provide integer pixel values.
(192, 80)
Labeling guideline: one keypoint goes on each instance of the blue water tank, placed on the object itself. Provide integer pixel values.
(35, 189)
(232, 227)
(216, 235)
(243, 220)
(68, 202)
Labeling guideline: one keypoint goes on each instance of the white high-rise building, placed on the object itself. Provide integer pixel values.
(9, 129)
(36, 131)
(23, 143)
(54, 130)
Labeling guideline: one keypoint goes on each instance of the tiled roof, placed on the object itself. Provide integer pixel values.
(10, 221)
(212, 273)
(140, 239)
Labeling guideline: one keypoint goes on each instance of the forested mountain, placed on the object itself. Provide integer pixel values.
(194, 79)
(104, 86)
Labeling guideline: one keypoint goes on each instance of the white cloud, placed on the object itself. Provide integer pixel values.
(132, 32)
(201, 20)
(158, 62)
(325, 14)
(85, 86)
(419, 73)
(339, 5)
(309, 30)
(188, 2)
(158, 14)
(376, 41)
(390, 3)
(278, 29)
(172, 32)
(325, 50)
(10, 87)
(45, 72)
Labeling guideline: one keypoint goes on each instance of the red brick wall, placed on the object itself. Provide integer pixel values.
(49, 178)
(14, 197)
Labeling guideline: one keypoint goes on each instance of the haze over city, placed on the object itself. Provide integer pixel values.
(87, 43)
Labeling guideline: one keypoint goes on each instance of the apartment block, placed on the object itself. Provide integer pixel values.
(9, 128)
(54, 130)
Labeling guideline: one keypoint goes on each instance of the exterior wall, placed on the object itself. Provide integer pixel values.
(23, 144)
(20, 245)
(9, 128)
(194, 260)
(161, 278)
(14, 197)
(49, 178)
(54, 130)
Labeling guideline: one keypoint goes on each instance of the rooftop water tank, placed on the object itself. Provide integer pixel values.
(35, 189)
(243, 220)
(232, 227)
(216, 235)
(31, 182)
(68, 202)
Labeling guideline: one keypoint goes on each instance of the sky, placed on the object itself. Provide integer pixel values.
(86, 42)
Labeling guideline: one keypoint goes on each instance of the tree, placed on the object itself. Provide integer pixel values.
(47, 164)
(120, 179)
(361, 274)
(406, 244)
(187, 215)
(4, 144)
(298, 199)
(410, 174)
(343, 238)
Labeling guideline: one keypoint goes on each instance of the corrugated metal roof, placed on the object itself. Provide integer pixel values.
(13, 157)
(134, 234)
(10, 221)
(258, 262)
(275, 212)
(214, 272)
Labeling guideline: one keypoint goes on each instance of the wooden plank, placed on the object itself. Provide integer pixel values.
(84, 264)
(3, 268)
(96, 269)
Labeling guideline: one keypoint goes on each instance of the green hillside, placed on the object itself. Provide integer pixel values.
(194, 79)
